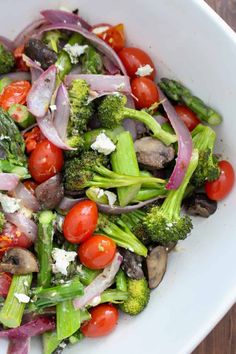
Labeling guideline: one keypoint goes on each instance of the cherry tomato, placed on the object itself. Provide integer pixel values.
(134, 58)
(103, 321)
(16, 92)
(5, 282)
(114, 36)
(145, 91)
(30, 185)
(20, 64)
(97, 252)
(99, 28)
(81, 221)
(45, 161)
(220, 188)
(12, 237)
(187, 116)
(32, 138)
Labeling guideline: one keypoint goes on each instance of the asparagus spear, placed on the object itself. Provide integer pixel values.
(86, 275)
(124, 161)
(50, 342)
(179, 93)
(44, 247)
(12, 311)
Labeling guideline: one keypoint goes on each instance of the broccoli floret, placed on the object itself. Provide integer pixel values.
(112, 111)
(81, 109)
(138, 297)
(123, 237)
(12, 147)
(76, 141)
(52, 39)
(134, 221)
(2, 221)
(207, 170)
(89, 170)
(7, 60)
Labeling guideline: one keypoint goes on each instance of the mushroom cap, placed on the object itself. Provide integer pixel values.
(19, 261)
(156, 266)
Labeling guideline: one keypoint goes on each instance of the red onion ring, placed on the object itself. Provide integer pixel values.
(27, 198)
(28, 31)
(8, 181)
(17, 76)
(19, 346)
(24, 224)
(7, 43)
(62, 113)
(59, 16)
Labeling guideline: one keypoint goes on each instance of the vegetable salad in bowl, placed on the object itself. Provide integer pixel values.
(102, 163)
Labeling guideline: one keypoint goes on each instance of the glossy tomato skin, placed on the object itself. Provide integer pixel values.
(31, 186)
(81, 221)
(134, 58)
(114, 36)
(145, 90)
(97, 252)
(15, 92)
(187, 116)
(220, 188)
(103, 321)
(12, 237)
(45, 161)
(5, 282)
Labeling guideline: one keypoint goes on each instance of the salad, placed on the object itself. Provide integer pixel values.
(102, 163)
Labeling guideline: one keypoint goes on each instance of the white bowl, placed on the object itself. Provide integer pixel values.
(187, 40)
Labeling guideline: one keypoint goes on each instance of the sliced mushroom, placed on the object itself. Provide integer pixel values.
(152, 153)
(199, 204)
(50, 192)
(156, 266)
(35, 49)
(132, 264)
(19, 261)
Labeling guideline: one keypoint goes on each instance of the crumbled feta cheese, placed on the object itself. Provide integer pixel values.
(103, 144)
(3, 137)
(145, 70)
(9, 205)
(120, 87)
(22, 298)
(62, 260)
(62, 345)
(75, 51)
(95, 301)
(111, 197)
(53, 107)
(100, 29)
(99, 192)
(79, 269)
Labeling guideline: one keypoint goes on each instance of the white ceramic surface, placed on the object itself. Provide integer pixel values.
(187, 40)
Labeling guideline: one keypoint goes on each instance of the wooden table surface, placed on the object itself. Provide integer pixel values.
(222, 340)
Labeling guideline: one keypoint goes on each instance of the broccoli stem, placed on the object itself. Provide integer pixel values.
(68, 319)
(50, 342)
(142, 116)
(179, 93)
(145, 194)
(44, 247)
(12, 310)
(90, 136)
(114, 296)
(124, 161)
(63, 64)
(121, 281)
(86, 275)
(203, 138)
(122, 238)
(172, 203)
(52, 296)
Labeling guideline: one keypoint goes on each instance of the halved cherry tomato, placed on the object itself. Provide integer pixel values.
(134, 58)
(103, 321)
(145, 91)
(16, 92)
(12, 237)
(20, 64)
(31, 185)
(32, 138)
(45, 161)
(81, 221)
(97, 252)
(99, 28)
(220, 188)
(5, 282)
(114, 36)
(187, 116)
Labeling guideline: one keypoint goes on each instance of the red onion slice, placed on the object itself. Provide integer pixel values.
(103, 83)
(19, 346)
(110, 67)
(17, 76)
(24, 224)
(102, 46)
(27, 198)
(50, 192)
(100, 283)
(7, 43)
(49, 131)
(59, 16)
(62, 113)
(8, 181)
(28, 31)
(185, 145)
(30, 329)
(40, 94)
(35, 68)
(67, 203)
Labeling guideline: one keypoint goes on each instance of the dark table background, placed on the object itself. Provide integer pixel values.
(222, 340)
